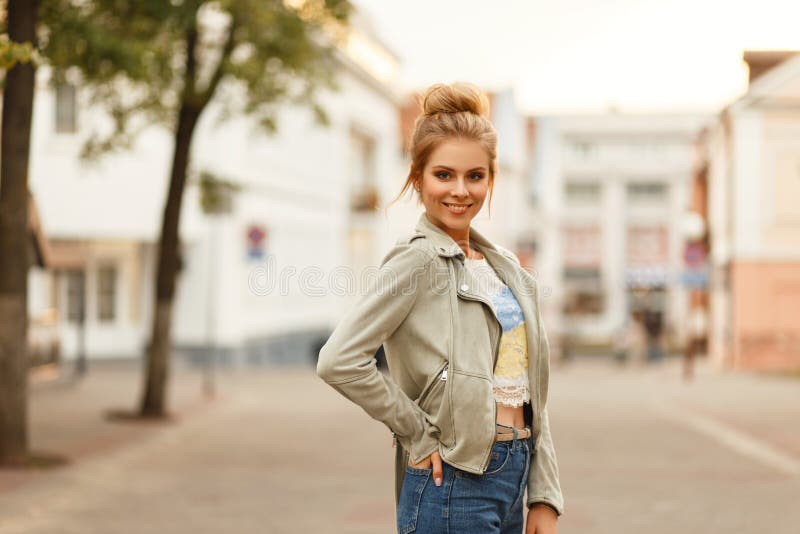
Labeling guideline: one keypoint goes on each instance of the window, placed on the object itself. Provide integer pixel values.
(647, 245)
(582, 150)
(577, 192)
(106, 292)
(364, 192)
(582, 255)
(76, 298)
(647, 193)
(582, 245)
(66, 108)
(583, 292)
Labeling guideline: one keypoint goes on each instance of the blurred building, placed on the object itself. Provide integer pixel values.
(611, 195)
(752, 162)
(255, 278)
(44, 344)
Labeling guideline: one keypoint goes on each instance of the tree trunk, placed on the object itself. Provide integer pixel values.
(158, 352)
(14, 154)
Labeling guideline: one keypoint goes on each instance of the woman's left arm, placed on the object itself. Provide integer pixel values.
(545, 501)
(543, 482)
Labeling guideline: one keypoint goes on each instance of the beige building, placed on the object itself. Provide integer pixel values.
(753, 168)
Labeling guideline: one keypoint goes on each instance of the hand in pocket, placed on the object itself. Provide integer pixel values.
(434, 460)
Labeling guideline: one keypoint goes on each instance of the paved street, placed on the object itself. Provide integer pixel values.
(280, 452)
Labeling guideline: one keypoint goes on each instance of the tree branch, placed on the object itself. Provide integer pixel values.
(190, 76)
(227, 49)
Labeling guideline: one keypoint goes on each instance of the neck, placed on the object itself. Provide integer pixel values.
(461, 237)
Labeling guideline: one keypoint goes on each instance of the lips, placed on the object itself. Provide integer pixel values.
(456, 208)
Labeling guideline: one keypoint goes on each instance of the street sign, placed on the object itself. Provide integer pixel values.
(694, 255)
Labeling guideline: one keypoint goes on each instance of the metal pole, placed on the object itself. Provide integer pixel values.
(209, 389)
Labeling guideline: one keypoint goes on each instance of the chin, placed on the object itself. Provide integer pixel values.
(457, 221)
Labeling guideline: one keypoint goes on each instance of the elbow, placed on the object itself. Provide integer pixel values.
(326, 364)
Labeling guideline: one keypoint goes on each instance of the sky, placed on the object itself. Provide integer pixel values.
(587, 55)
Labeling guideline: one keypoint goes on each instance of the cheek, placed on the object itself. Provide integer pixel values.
(433, 190)
(480, 191)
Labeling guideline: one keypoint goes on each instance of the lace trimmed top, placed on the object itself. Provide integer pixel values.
(510, 386)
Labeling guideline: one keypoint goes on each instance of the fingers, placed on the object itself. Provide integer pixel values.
(436, 462)
(424, 464)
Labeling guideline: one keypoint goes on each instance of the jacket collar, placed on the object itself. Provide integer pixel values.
(445, 245)
(507, 269)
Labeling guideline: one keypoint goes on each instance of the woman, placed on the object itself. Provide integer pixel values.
(460, 324)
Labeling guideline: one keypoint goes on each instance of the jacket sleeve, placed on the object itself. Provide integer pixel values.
(543, 480)
(347, 361)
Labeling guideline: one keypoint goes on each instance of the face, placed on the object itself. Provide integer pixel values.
(455, 183)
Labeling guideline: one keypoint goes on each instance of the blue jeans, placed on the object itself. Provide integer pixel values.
(468, 503)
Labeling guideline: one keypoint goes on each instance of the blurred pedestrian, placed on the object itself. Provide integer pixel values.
(654, 327)
(695, 340)
(459, 400)
(631, 341)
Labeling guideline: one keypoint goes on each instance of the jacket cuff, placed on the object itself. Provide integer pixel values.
(543, 479)
(423, 446)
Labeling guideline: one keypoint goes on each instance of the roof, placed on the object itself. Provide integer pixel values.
(779, 86)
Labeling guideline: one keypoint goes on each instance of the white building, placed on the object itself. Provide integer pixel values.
(611, 194)
(297, 214)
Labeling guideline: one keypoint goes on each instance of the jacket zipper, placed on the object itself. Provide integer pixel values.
(494, 361)
(442, 374)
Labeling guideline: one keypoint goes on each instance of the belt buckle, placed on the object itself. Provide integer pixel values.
(511, 431)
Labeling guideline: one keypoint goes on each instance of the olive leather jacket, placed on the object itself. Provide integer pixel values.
(441, 337)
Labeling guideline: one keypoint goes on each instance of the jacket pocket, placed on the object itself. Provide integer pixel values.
(472, 411)
(431, 395)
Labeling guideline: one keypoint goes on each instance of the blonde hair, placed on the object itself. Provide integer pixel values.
(455, 111)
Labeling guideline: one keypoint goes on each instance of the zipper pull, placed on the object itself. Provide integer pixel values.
(444, 374)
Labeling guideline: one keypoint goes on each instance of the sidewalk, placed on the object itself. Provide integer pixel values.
(638, 451)
(68, 417)
(763, 406)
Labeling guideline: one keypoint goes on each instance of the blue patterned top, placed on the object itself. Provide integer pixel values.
(511, 369)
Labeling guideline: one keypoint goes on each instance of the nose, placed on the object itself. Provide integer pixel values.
(459, 188)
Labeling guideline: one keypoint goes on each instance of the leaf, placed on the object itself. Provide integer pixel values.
(249, 56)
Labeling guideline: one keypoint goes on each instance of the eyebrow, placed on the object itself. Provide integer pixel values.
(451, 169)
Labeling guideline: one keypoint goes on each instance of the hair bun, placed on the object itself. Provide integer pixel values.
(454, 98)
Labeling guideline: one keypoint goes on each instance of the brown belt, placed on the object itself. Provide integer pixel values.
(506, 433)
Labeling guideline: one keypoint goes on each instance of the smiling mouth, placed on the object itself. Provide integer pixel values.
(456, 208)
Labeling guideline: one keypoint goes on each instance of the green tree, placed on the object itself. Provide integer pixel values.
(18, 19)
(163, 61)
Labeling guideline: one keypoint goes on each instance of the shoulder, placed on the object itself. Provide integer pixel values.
(527, 275)
(507, 253)
(408, 253)
(414, 244)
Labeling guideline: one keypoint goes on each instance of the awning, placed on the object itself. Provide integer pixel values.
(68, 254)
(646, 276)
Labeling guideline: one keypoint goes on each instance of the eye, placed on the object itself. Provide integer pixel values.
(476, 176)
(439, 174)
